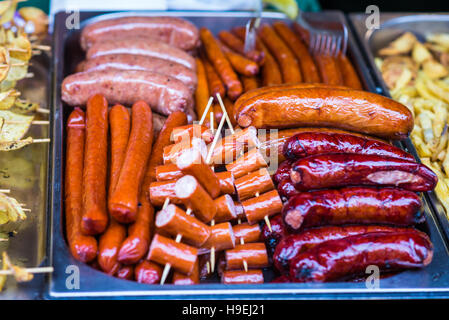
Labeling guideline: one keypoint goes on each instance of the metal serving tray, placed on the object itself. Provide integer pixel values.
(392, 26)
(25, 172)
(432, 281)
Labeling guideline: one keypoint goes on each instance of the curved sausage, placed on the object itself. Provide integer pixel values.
(124, 199)
(236, 44)
(149, 48)
(82, 247)
(354, 205)
(142, 63)
(180, 256)
(95, 217)
(306, 144)
(171, 30)
(191, 162)
(221, 64)
(292, 245)
(309, 69)
(352, 110)
(213, 80)
(350, 77)
(202, 90)
(242, 65)
(291, 72)
(329, 70)
(340, 169)
(333, 260)
(112, 238)
(163, 93)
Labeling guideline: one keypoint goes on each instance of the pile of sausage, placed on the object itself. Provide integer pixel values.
(137, 58)
(351, 198)
(281, 57)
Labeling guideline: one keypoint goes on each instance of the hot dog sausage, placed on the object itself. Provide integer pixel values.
(329, 69)
(358, 111)
(253, 183)
(291, 72)
(249, 83)
(83, 248)
(173, 151)
(111, 240)
(95, 217)
(143, 63)
(221, 64)
(305, 144)
(350, 77)
(309, 69)
(226, 179)
(242, 277)
(350, 256)
(257, 208)
(202, 90)
(353, 205)
(193, 196)
(237, 45)
(337, 170)
(149, 48)
(221, 238)
(181, 279)
(191, 162)
(180, 256)
(214, 82)
(249, 162)
(292, 245)
(171, 30)
(255, 255)
(163, 93)
(246, 233)
(168, 172)
(174, 221)
(124, 199)
(161, 190)
(241, 64)
(225, 209)
(148, 272)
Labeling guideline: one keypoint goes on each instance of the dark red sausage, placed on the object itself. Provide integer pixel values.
(276, 234)
(311, 143)
(338, 170)
(289, 247)
(283, 171)
(356, 205)
(287, 189)
(348, 257)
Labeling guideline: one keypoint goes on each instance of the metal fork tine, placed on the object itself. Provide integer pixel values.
(338, 46)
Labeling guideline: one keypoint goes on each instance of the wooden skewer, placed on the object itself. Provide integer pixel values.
(178, 239)
(36, 122)
(29, 75)
(5, 191)
(211, 122)
(203, 116)
(225, 114)
(26, 210)
(41, 140)
(30, 270)
(41, 47)
(214, 142)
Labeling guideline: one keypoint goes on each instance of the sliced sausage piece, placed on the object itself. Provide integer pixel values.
(242, 277)
(254, 254)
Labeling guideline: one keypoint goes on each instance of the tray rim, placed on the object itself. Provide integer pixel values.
(214, 291)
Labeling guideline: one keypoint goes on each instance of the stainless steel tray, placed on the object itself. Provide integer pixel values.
(429, 282)
(392, 26)
(25, 172)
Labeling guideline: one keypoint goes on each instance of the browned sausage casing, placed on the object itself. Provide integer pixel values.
(255, 255)
(351, 256)
(143, 63)
(344, 169)
(171, 30)
(353, 110)
(242, 277)
(163, 93)
(256, 182)
(266, 204)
